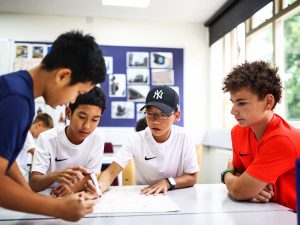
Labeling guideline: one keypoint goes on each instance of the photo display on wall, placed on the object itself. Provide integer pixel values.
(131, 73)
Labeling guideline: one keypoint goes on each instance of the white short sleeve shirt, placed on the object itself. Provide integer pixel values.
(155, 161)
(24, 156)
(54, 151)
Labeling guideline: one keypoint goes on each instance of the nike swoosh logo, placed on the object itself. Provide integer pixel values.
(148, 158)
(241, 154)
(59, 160)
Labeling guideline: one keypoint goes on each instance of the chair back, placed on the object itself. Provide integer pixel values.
(128, 174)
(199, 152)
(108, 147)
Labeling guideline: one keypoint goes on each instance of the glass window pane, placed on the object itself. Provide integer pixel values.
(240, 45)
(286, 3)
(292, 66)
(262, 15)
(260, 45)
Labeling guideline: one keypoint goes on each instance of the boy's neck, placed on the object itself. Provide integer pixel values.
(39, 77)
(162, 138)
(71, 137)
(260, 129)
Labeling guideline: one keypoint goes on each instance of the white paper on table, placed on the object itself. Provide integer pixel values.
(129, 200)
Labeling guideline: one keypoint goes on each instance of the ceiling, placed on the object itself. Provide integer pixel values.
(196, 11)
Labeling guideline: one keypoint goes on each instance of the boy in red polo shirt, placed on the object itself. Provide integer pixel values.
(265, 146)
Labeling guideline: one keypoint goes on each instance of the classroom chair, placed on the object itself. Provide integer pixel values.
(128, 174)
(199, 152)
(108, 148)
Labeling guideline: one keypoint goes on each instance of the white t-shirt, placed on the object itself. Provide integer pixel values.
(155, 161)
(54, 151)
(24, 158)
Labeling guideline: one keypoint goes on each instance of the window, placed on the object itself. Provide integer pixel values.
(262, 15)
(274, 38)
(260, 45)
(291, 33)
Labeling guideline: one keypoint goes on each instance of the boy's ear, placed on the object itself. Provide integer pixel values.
(68, 113)
(63, 76)
(270, 101)
(177, 116)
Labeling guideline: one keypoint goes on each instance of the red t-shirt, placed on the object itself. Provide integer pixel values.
(271, 159)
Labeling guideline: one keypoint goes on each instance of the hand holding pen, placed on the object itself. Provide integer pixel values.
(93, 185)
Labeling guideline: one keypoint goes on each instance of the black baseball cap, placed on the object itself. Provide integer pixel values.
(164, 98)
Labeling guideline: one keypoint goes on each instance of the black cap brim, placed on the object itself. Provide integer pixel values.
(163, 107)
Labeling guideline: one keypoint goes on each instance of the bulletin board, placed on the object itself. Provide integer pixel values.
(136, 70)
(131, 73)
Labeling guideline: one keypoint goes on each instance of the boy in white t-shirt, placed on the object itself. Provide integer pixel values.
(65, 155)
(164, 156)
(41, 123)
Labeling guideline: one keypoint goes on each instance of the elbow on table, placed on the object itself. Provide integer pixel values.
(239, 194)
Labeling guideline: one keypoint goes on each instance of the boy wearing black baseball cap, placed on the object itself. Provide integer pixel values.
(164, 156)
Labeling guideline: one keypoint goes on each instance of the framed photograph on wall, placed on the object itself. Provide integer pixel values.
(117, 85)
(162, 77)
(138, 76)
(137, 93)
(122, 110)
(162, 60)
(39, 51)
(137, 59)
(22, 51)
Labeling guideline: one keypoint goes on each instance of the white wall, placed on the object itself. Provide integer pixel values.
(190, 36)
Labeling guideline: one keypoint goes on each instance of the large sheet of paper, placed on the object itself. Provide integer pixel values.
(128, 199)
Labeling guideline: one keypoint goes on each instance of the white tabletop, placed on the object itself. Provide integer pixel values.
(201, 204)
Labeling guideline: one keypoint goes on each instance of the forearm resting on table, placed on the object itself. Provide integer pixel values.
(186, 180)
(243, 187)
(107, 176)
(39, 182)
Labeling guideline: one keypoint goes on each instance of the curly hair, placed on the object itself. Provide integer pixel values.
(259, 76)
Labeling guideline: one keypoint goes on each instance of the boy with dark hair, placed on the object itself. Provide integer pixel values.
(265, 146)
(41, 123)
(73, 66)
(164, 155)
(62, 152)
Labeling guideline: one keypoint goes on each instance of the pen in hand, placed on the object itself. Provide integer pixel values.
(95, 182)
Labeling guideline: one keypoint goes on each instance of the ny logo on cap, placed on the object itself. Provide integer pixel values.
(158, 94)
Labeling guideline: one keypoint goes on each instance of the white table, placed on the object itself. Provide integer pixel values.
(201, 204)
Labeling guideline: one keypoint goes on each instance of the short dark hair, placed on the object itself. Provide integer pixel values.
(94, 97)
(45, 118)
(259, 77)
(79, 53)
(141, 124)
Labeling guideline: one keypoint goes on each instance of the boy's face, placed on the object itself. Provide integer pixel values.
(160, 128)
(59, 92)
(247, 109)
(38, 128)
(83, 121)
(62, 95)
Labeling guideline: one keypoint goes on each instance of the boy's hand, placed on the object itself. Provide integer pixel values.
(74, 207)
(61, 191)
(154, 189)
(71, 175)
(265, 195)
(90, 188)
